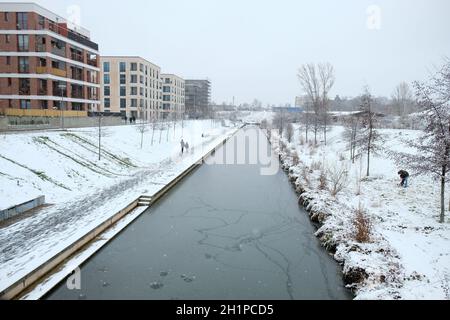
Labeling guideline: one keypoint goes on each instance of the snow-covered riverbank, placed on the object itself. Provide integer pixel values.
(82, 190)
(408, 256)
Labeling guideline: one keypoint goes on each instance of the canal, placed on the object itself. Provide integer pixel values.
(225, 232)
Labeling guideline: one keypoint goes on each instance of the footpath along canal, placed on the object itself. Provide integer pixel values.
(224, 232)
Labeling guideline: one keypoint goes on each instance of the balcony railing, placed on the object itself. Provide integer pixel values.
(40, 47)
(53, 71)
(24, 90)
(77, 94)
(42, 91)
(58, 92)
(77, 57)
(59, 51)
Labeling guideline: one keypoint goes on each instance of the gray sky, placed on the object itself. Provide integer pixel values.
(253, 48)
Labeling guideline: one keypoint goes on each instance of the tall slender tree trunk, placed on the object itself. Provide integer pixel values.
(153, 132)
(369, 145)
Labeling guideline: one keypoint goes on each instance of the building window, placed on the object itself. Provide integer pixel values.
(123, 79)
(24, 66)
(42, 88)
(6, 16)
(141, 79)
(22, 42)
(133, 66)
(106, 67)
(166, 89)
(123, 67)
(41, 22)
(9, 82)
(141, 91)
(25, 104)
(7, 38)
(107, 91)
(106, 79)
(133, 78)
(8, 60)
(123, 103)
(134, 103)
(107, 103)
(123, 91)
(22, 20)
(141, 67)
(44, 104)
(134, 91)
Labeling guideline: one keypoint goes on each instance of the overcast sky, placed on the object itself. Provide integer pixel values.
(253, 48)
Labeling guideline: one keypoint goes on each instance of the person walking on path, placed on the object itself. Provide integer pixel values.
(182, 146)
(404, 175)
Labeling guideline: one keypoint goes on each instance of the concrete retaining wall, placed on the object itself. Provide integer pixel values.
(21, 208)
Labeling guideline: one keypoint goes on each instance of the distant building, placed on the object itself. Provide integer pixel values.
(198, 97)
(287, 109)
(173, 99)
(45, 62)
(131, 87)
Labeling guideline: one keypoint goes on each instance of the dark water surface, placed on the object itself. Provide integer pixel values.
(225, 232)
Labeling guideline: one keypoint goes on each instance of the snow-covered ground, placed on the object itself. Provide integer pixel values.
(409, 253)
(84, 191)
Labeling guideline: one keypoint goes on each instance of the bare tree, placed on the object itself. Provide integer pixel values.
(289, 132)
(368, 142)
(316, 84)
(351, 134)
(279, 121)
(433, 146)
(142, 126)
(402, 98)
(338, 178)
(326, 78)
(264, 124)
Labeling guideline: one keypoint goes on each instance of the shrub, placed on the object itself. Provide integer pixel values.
(338, 178)
(295, 158)
(362, 226)
(322, 180)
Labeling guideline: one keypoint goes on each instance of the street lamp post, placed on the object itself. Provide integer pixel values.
(61, 88)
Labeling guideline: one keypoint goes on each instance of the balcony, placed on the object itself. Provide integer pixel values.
(77, 57)
(59, 51)
(24, 90)
(77, 94)
(53, 71)
(58, 92)
(40, 47)
(42, 91)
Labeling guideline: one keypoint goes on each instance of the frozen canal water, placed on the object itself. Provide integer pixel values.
(225, 232)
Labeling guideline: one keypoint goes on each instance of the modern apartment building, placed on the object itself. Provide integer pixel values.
(173, 96)
(198, 97)
(131, 87)
(45, 62)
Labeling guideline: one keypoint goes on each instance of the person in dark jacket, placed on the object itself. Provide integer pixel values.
(404, 175)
